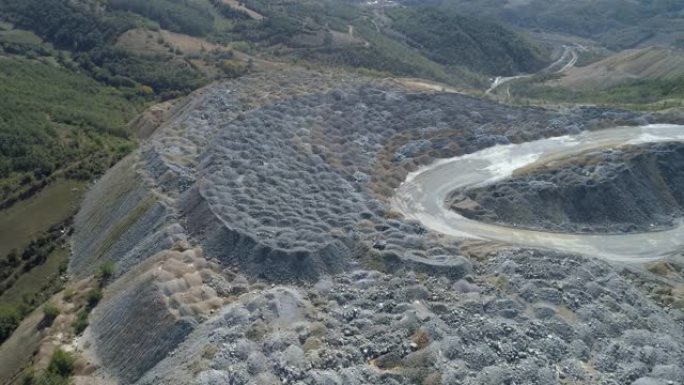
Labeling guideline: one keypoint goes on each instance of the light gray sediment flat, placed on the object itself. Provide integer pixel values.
(423, 195)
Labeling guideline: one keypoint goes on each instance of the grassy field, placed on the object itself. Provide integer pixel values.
(20, 36)
(31, 281)
(28, 219)
(39, 283)
(16, 352)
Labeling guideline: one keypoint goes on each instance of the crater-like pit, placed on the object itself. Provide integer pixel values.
(636, 188)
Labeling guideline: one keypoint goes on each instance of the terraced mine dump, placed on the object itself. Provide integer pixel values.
(462, 196)
(257, 242)
(625, 189)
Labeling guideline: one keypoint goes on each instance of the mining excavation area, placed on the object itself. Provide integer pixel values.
(304, 227)
(627, 189)
(560, 192)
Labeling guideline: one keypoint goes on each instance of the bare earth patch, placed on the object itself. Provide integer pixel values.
(147, 42)
(241, 7)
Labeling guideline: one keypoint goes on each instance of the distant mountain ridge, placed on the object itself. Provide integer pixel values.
(618, 24)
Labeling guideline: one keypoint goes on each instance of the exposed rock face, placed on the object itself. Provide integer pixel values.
(622, 190)
(282, 177)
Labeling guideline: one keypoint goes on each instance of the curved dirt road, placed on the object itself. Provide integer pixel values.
(423, 195)
(570, 52)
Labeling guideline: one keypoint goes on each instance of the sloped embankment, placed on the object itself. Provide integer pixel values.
(284, 177)
(153, 308)
(630, 189)
(280, 174)
(120, 220)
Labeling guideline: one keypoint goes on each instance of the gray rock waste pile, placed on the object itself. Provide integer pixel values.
(522, 318)
(629, 189)
(247, 231)
(285, 174)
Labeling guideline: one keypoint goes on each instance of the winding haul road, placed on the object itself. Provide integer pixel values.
(423, 195)
(569, 57)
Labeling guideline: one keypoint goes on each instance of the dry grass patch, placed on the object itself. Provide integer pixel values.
(145, 42)
(241, 7)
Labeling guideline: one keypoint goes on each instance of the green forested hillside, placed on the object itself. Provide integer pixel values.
(53, 119)
(191, 17)
(409, 41)
(617, 23)
(441, 45)
(67, 99)
(451, 39)
(58, 129)
(652, 94)
(89, 33)
(67, 26)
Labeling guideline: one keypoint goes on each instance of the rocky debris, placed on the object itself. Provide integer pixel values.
(121, 220)
(629, 189)
(153, 308)
(379, 244)
(286, 174)
(281, 179)
(144, 125)
(280, 189)
(466, 206)
(534, 318)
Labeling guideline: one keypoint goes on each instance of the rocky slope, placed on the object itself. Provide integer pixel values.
(254, 244)
(290, 169)
(628, 189)
(522, 317)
